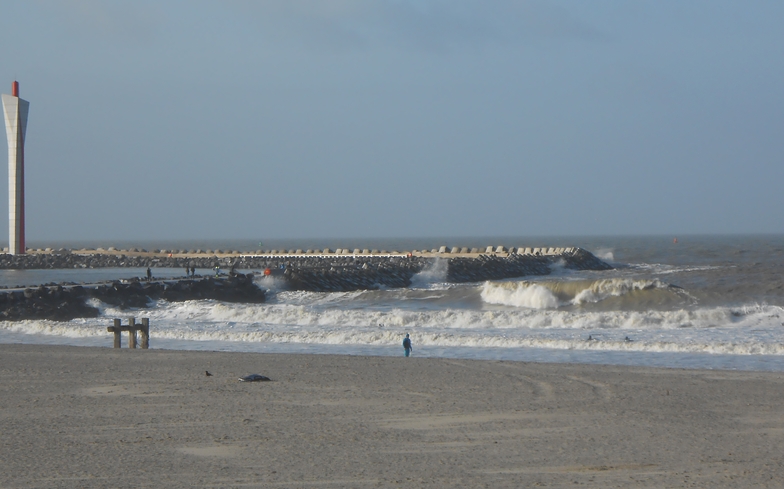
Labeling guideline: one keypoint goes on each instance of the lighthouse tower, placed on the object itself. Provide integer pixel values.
(15, 110)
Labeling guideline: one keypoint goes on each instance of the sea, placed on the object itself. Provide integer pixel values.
(702, 302)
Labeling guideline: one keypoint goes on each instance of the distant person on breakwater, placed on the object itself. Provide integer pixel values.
(407, 348)
(149, 274)
(193, 271)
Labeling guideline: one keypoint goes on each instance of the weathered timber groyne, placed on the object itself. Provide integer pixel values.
(66, 302)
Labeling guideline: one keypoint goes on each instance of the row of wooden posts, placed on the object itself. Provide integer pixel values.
(132, 328)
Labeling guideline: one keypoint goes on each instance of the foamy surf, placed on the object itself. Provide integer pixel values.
(519, 294)
(547, 294)
(321, 310)
(754, 334)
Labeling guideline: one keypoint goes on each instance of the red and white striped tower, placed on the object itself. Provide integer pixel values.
(15, 110)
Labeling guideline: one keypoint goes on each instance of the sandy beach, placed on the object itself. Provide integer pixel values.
(98, 417)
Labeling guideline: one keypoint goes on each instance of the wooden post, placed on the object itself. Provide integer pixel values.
(131, 333)
(117, 337)
(132, 328)
(145, 333)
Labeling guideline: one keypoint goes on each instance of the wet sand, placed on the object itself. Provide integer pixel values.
(98, 417)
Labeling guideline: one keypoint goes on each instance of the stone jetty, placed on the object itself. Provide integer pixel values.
(362, 272)
(60, 302)
(310, 270)
(357, 273)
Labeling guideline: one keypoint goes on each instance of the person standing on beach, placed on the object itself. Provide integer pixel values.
(149, 274)
(407, 345)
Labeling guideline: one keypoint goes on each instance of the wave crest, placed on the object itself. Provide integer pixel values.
(549, 295)
(519, 294)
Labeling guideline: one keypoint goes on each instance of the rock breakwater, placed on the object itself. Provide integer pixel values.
(363, 273)
(59, 302)
(326, 275)
(325, 271)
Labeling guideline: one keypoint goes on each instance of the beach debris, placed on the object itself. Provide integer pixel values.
(207, 373)
(627, 339)
(254, 378)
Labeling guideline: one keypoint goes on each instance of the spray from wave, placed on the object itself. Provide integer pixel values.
(434, 273)
(272, 283)
(605, 254)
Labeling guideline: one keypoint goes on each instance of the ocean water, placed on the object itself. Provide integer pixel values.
(701, 302)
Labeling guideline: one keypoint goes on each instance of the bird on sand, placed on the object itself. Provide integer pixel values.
(207, 373)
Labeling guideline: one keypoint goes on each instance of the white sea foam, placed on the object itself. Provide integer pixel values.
(663, 269)
(73, 329)
(288, 315)
(519, 294)
(324, 299)
(553, 294)
(738, 341)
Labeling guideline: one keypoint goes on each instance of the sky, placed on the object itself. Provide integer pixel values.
(251, 119)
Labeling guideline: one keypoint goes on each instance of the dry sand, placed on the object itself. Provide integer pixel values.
(93, 417)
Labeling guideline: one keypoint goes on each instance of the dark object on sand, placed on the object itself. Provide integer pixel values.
(207, 373)
(254, 378)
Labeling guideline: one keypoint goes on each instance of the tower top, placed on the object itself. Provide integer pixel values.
(15, 89)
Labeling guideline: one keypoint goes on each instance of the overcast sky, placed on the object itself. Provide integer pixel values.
(358, 118)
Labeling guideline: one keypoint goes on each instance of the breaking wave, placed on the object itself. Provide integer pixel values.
(198, 317)
(554, 294)
(751, 330)
(519, 294)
